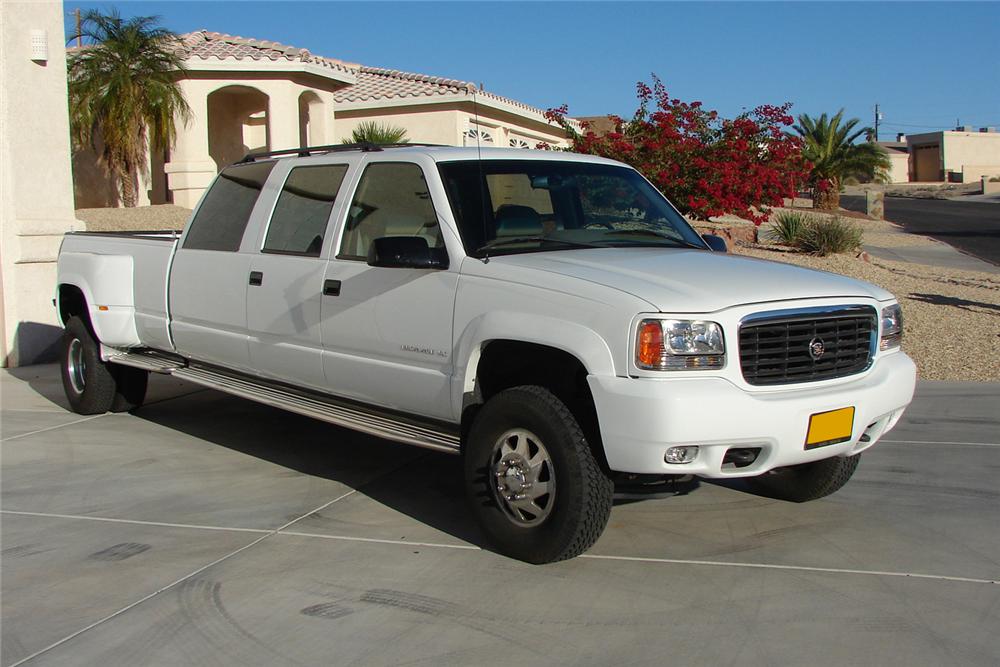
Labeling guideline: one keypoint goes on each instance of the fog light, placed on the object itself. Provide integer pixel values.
(681, 454)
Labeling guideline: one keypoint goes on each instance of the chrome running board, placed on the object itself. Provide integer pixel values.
(153, 362)
(325, 408)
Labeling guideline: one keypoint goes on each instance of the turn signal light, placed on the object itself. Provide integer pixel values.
(649, 344)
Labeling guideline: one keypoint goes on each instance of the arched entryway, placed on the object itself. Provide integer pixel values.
(238, 123)
(312, 119)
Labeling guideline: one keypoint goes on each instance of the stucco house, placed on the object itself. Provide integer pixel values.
(249, 94)
(961, 155)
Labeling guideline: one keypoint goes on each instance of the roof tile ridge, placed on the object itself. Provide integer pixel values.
(414, 76)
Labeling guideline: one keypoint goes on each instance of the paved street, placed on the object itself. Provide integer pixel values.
(208, 530)
(971, 226)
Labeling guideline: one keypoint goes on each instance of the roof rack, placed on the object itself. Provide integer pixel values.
(306, 151)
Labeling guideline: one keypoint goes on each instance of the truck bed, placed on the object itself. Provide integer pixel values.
(123, 276)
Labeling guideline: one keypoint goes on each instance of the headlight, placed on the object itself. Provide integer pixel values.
(892, 327)
(675, 345)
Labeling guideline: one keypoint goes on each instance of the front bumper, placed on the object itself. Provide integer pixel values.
(641, 417)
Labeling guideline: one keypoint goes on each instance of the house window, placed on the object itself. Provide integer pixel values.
(517, 142)
(475, 137)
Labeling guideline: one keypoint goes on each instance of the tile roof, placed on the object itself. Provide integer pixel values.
(373, 83)
(206, 45)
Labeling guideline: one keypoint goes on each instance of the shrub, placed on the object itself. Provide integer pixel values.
(705, 164)
(825, 236)
(787, 227)
(372, 132)
(995, 179)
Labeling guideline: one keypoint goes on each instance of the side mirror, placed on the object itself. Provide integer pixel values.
(406, 252)
(716, 243)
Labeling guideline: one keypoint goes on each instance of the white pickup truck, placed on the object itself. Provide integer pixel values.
(550, 317)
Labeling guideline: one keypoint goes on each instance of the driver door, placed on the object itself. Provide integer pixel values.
(387, 332)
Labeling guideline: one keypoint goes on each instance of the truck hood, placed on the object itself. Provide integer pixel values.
(693, 281)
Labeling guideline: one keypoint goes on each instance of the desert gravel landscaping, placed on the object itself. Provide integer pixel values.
(952, 317)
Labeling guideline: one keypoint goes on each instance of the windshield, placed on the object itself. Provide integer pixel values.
(516, 206)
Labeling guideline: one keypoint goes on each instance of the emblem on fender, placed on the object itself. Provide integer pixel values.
(817, 348)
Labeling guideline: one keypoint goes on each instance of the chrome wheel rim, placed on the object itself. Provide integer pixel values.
(523, 477)
(76, 366)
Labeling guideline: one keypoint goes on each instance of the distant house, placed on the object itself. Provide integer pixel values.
(959, 156)
(599, 125)
(249, 95)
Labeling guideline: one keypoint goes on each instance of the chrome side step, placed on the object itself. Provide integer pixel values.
(328, 410)
(154, 363)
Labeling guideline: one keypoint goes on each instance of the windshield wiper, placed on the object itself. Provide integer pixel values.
(496, 243)
(676, 242)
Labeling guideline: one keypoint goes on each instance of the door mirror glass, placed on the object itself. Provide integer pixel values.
(406, 252)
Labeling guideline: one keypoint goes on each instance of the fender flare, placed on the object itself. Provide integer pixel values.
(583, 343)
(110, 303)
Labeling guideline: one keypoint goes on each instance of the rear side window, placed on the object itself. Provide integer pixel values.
(300, 217)
(223, 215)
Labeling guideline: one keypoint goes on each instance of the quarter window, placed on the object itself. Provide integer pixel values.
(223, 215)
(392, 199)
(303, 209)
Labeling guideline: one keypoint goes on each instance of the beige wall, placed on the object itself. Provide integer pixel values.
(899, 167)
(36, 188)
(974, 172)
(447, 124)
(426, 124)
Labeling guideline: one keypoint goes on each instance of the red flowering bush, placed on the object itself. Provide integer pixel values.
(706, 165)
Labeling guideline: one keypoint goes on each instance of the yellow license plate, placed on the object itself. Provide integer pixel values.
(829, 428)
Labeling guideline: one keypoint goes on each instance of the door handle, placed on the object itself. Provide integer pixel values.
(331, 288)
(256, 277)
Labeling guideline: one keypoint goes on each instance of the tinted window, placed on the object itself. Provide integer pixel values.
(391, 200)
(223, 215)
(303, 209)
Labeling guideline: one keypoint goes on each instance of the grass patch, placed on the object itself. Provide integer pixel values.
(787, 227)
(815, 235)
(829, 236)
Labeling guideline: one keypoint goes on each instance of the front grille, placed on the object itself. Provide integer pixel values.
(775, 348)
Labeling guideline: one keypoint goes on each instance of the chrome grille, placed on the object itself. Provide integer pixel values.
(789, 346)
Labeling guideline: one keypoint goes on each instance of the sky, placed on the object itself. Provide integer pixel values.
(927, 65)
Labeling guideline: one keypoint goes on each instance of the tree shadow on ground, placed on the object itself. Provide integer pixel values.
(957, 302)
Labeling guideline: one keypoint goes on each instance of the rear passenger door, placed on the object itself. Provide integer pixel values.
(208, 277)
(285, 298)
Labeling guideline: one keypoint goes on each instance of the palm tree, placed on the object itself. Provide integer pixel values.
(124, 94)
(371, 132)
(829, 144)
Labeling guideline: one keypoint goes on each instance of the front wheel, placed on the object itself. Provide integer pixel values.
(808, 481)
(535, 487)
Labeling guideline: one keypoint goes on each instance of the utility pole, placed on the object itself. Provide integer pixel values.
(878, 117)
(79, 37)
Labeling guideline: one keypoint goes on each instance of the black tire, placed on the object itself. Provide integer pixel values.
(808, 481)
(576, 512)
(89, 385)
(130, 387)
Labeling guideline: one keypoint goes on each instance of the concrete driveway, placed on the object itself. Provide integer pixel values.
(208, 530)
